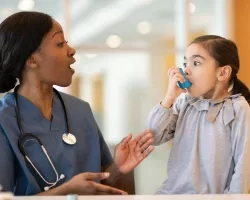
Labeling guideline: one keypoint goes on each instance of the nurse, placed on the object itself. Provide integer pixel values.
(50, 143)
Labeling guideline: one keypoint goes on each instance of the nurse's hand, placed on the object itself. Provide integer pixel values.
(130, 152)
(84, 184)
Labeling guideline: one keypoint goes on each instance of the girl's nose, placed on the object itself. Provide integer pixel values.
(186, 71)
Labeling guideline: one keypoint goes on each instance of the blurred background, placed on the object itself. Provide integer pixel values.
(124, 50)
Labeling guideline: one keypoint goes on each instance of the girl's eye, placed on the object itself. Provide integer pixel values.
(184, 64)
(196, 63)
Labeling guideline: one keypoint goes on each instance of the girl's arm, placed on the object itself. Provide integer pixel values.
(162, 121)
(240, 139)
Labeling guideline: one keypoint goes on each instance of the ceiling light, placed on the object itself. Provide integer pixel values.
(192, 8)
(113, 41)
(144, 27)
(104, 18)
(26, 5)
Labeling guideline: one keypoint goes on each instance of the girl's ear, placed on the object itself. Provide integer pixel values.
(224, 73)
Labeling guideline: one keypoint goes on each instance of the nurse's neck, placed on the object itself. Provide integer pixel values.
(40, 94)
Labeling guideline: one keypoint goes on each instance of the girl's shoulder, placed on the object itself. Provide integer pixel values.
(239, 103)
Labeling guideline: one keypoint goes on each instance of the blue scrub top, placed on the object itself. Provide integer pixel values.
(89, 153)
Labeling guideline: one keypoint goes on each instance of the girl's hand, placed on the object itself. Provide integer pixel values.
(173, 90)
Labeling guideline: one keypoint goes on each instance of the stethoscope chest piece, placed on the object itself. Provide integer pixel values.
(69, 138)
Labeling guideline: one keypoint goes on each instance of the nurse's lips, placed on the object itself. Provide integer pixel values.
(73, 71)
(72, 62)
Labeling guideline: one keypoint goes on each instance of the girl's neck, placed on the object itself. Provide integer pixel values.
(217, 96)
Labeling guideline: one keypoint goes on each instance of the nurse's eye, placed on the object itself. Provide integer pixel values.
(61, 44)
(196, 63)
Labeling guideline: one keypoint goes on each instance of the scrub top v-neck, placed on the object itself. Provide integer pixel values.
(89, 154)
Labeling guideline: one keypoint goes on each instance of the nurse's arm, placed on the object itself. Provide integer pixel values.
(7, 162)
(84, 184)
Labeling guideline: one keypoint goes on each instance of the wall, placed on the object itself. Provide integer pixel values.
(241, 34)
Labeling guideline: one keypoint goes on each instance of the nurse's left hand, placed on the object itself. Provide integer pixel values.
(130, 152)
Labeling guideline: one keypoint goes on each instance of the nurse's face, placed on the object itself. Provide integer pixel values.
(53, 58)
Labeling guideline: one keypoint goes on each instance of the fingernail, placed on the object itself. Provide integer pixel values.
(124, 193)
(106, 174)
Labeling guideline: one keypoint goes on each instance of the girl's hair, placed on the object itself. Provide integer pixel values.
(20, 35)
(225, 52)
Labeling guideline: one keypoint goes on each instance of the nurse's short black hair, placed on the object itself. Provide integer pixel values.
(20, 35)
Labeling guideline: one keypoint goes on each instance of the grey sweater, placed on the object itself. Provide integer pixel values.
(211, 145)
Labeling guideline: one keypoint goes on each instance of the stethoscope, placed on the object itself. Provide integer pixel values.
(68, 138)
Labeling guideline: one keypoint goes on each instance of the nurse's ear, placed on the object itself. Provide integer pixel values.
(31, 62)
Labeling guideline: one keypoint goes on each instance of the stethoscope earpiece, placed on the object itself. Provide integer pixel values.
(62, 176)
(46, 188)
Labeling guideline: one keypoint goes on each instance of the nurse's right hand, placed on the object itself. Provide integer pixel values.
(84, 184)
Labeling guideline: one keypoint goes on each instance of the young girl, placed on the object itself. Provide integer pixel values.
(209, 122)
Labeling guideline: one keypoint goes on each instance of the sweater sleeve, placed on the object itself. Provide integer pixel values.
(162, 121)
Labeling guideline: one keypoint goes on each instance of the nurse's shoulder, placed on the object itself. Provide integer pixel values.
(7, 107)
(75, 105)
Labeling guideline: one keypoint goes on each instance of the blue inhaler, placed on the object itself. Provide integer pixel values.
(186, 83)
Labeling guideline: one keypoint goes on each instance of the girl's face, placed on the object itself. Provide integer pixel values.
(202, 71)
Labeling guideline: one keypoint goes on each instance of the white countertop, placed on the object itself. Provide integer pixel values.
(141, 197)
